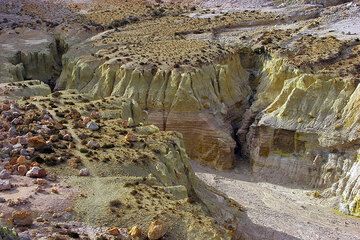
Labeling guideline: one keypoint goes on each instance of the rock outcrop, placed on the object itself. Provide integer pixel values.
(306, 130)
(196, 103)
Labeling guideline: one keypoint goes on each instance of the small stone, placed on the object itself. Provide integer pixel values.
(92, 126)
(14, 141)
(54, 138)
(135, 232)
(5, 174)
(86, 120)
(67, 137)
(36, 172)
(37, 142)
(22, 169)
(17, 146)
(41, 182)
(21, 160)
(93, 144)
(52, 177)
(40, 219)
(130, 137)
(95, 115)
(22, 218)
(2, 200)
(16, 121)
(22, 140)
(84, 172)
(24, 152)
(5, 185)
(114, 231)
(55, 190)
(157, 230)
(12, 131)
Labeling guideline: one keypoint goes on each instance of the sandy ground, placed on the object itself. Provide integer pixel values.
(283, 209)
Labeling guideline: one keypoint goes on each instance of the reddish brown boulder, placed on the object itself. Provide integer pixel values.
(36, 172)
(37, 142)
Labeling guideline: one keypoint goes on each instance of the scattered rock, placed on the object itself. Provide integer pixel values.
(93, 144)
(84, 172)
(21, 160)
(5, 174)
(22, 169)
(41, 182)
(114, 231)
(130, 137)
(36, 172)
(157, 230)
(22, 218)
(5, 185)
(54, 138)
(37, 142)
(135, 232)
(55, 190)
(92, 126)
(95, 115)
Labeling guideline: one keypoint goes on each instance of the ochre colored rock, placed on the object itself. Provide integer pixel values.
(21, 160)
(22, 218)
(157, 230)
(36, 142)
(22, 169)
(135, 232)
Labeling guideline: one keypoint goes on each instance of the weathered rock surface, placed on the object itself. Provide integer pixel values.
(133, 181)
(195, 103)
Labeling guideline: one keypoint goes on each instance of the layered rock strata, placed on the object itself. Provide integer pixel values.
(197, 103)
(306, 130)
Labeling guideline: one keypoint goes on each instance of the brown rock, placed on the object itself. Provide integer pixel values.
(41, 182)
(114, 231)
(54, 138)
(36, 172)
(21, 160)
(130, 137)
(157, 230)
(37, 142)
(135, 232)
(22, 218)
(55, 190)
(86, 120)
(95, 115)
(22, 169)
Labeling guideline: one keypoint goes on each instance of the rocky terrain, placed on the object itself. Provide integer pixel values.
(104, 103)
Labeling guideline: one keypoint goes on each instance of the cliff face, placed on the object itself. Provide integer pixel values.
(196, 103)
(34, 56)
(306, 131)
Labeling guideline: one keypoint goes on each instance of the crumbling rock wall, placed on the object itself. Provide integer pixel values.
(197, 102)
(306, 131)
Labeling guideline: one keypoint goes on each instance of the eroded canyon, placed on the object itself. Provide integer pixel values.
(105, 103)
